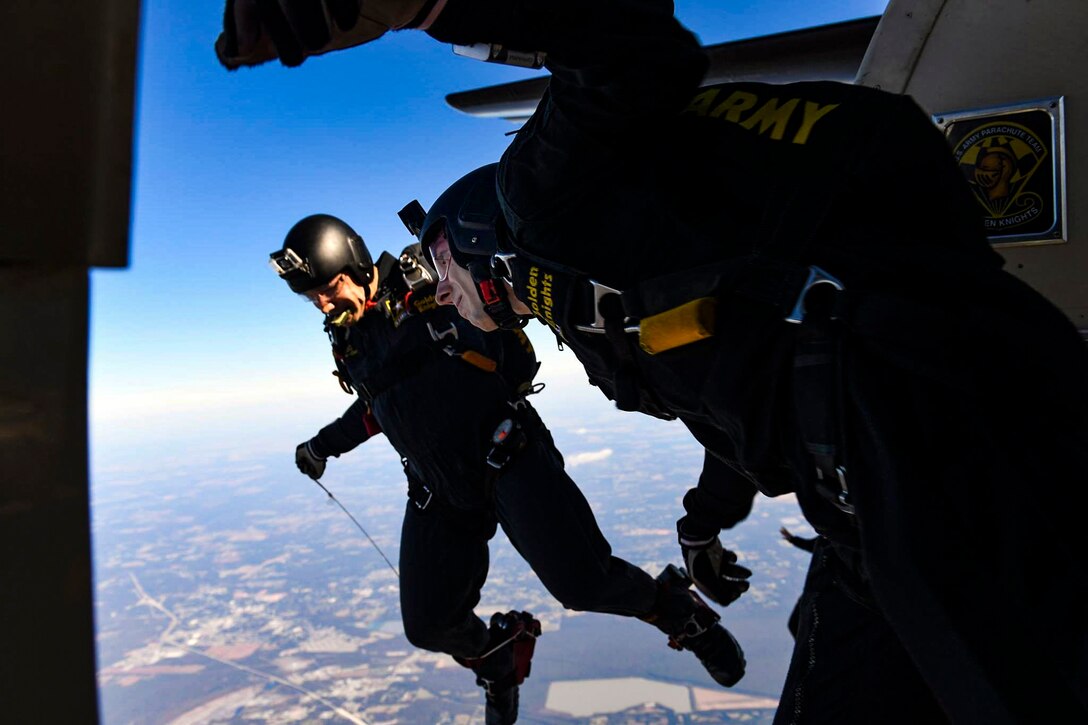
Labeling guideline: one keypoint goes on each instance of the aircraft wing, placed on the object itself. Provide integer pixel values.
(827, 52)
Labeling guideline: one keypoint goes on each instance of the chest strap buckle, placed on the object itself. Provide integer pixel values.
(437, 336)
(597, 327)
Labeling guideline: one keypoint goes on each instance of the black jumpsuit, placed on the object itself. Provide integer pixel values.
(955, 590)
(439, 412)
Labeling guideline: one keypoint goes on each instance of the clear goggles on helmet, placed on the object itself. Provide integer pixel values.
(441, 262)
(327, 290)
(499, 264)
(442, 265)
(286, 261)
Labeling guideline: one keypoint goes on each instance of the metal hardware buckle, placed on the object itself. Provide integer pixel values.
(436, 335)
(692, 628)
(843, 495)
(415, 274)
(430, 495)
(487, 685)
(503, 258)
(816, 276)
(689, 629)
(597, 326)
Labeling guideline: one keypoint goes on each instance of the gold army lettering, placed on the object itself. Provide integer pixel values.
(773, 115)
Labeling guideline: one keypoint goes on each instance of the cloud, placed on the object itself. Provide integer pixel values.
(588, 457)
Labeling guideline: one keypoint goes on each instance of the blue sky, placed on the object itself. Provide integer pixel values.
(198, 341)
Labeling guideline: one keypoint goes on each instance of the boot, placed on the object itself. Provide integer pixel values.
(692, 625)
(505, 664)
(501, 708)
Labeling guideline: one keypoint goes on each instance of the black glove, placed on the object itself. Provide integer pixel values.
(257, 31)
(309, 462)
(713, 569)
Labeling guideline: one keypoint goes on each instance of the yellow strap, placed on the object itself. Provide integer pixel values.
(683, 325)
(481, 361)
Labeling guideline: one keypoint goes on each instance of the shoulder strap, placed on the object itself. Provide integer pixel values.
(339, 342)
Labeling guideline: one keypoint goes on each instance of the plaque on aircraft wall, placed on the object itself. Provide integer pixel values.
(1012, 159)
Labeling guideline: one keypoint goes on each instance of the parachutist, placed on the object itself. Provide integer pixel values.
(927, 414)
(454, 403)
(827, 319)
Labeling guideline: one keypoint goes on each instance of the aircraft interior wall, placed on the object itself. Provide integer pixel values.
(990, 55)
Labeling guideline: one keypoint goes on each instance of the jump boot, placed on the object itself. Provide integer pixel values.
(505, 664)
(691, 624)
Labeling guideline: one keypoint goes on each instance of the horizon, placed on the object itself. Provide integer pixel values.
(197, 338)
(205, 372)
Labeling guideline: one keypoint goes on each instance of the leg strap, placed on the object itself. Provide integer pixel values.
(818, 386)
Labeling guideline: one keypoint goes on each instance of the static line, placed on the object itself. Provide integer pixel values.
(360, 527)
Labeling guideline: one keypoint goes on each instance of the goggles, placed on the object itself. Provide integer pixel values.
(326, 290)
(442, 264)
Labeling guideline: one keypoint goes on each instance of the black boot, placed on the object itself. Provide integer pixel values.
(692, 625)
(505, 664)
(501, 708)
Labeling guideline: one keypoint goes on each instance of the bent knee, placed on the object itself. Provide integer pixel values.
(424, 633)
(466, 638)
(585, 599)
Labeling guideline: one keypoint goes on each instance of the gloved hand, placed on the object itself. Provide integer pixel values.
(713, 569)
(309, 462)
(257, 31)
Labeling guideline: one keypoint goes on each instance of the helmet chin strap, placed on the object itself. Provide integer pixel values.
(494, 297)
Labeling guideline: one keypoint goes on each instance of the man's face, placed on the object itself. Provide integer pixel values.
(455, 286)
(341, 300)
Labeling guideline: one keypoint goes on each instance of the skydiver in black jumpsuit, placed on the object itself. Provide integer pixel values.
(929, 410)
(439, 388)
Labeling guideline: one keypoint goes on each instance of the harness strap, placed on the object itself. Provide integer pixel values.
(342, 376)
(626, 380)
(774, 273)
(817, 385)
(419, 493)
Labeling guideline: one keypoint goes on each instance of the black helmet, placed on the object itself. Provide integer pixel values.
(470, 213)
(317, 249)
